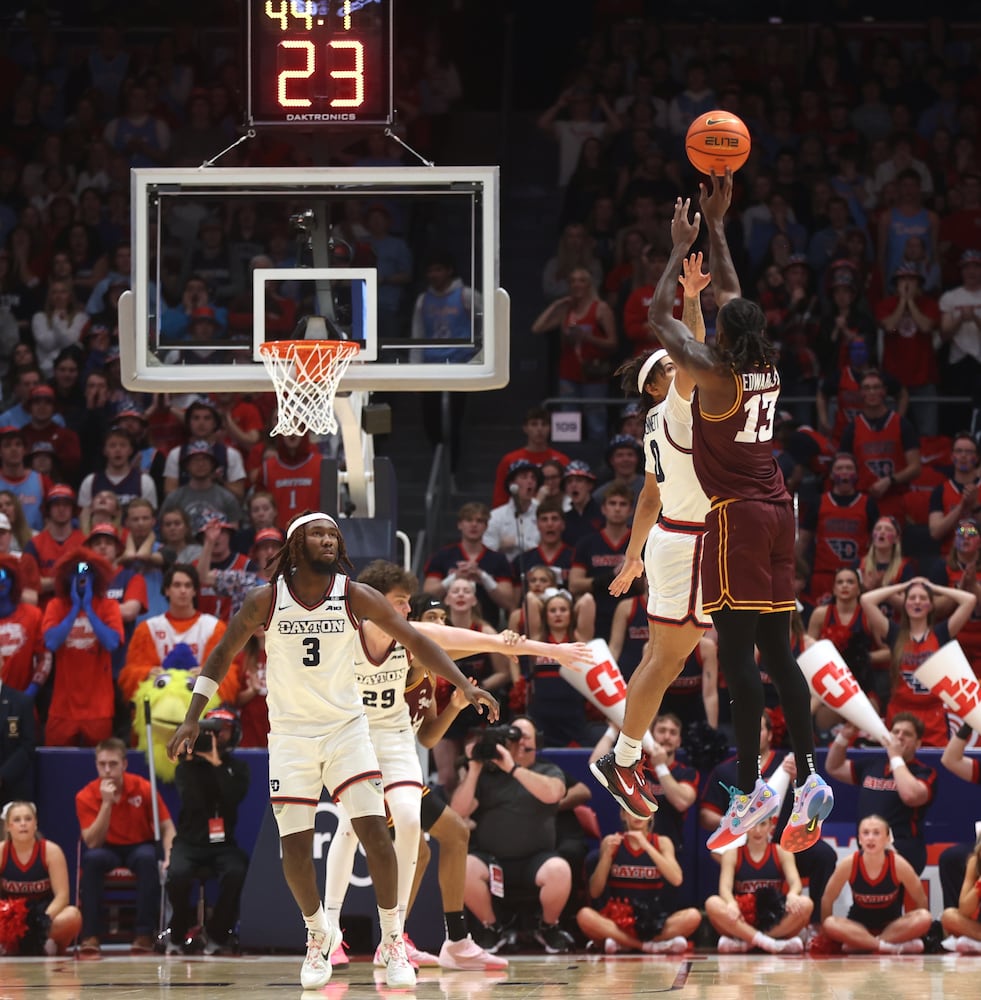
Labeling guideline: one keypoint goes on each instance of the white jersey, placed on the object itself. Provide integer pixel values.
(382, 685)
(667, 447)
(310, 654)
(195, 632)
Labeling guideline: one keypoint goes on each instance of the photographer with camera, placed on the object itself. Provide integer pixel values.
(211, 783)
(513, 799)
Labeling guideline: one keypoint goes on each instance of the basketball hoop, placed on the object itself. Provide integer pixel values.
(305, 375)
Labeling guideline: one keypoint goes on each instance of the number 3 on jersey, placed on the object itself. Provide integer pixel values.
(764, 403)
(312, 646)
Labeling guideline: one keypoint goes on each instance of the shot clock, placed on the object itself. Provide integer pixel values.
(319, 62)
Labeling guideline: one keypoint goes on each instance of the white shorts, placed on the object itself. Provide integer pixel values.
(398, 757)
(672, 562)
(343, 762)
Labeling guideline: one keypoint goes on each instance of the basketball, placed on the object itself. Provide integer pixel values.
(716, 140)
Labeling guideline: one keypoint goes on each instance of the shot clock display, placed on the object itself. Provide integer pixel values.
(319, 62)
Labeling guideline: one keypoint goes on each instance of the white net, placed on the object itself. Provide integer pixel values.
(305, 375)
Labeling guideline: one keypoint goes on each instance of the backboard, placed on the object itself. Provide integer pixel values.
(403, 259)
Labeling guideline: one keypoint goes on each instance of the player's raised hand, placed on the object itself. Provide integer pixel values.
(684, 231)
(692, 279)
(715, 203)
(631, 569)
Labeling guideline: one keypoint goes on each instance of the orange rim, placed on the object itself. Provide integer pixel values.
(325, 349)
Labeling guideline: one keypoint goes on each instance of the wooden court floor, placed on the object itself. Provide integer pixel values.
(575, 977)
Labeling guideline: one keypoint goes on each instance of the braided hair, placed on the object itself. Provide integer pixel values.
(289, 556)
(744, 342)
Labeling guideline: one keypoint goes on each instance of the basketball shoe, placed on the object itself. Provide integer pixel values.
(399, 974)
(744, 812)
(467, 955)
(316, 969)
(813, 802)
(626, 784)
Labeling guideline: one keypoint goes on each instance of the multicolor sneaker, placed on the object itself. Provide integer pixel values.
(626, 784)
(399, 974)
(744, 812)
(813, 801)
(339, 955)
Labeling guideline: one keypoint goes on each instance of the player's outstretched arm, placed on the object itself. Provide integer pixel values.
(253, 613)
(714, 205)
(460, 642)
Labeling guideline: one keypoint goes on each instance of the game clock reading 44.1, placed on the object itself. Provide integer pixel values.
(319, 62)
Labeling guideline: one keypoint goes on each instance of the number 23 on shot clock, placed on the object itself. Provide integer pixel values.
(319, 62)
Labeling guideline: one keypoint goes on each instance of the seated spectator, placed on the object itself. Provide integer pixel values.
(43, 429)
(26, 663)
(912, 640)
(58, 325)
(471, 560)
(203, 497)
(237, 579)
(582, 513)
(58, 538)
(536, 427)
(550, 552)
(630, 875)
(20, 532)
(844, 623)
(127, 586)
(909, 216)
(908, 320)
(291, 473)
(512, 528)
(34, 869)
(182, 624)
(141, 136)
(82, 627)
(537, 580)
(492, 672)
(896, 786)
(816, 863)
(177, 539)
(212, 784)
(759, 903)
(512, 799)
(176, 320)
(886, 447)
(576, 116)
(884, 563)
(960, 327)
(115, 814)
(960, 571)
(587, 344)
(260, 512)
(625, 457)
(839, 527)
(957, 498)
(599, 556)
(559, 708)
(28, 486)
(216, 535)
(203, 422)
(148, 458)
(845, 321)
(120, 475)
(883, 886)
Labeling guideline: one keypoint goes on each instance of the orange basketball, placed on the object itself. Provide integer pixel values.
(716, 140)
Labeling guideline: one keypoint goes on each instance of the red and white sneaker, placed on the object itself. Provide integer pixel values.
(339, 955)
(468, 956)
(418, 958)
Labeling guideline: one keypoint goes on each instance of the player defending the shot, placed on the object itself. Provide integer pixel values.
(669, 523)
(748, 556)
(318, 732)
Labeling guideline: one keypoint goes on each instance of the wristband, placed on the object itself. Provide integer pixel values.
(513, 769)
(964, 733)
(896, 763)
(449, 580)
(205, 686)
(662, 770)
(488, 581)
(841, 740)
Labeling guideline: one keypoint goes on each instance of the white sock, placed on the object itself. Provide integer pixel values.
(764, 941)
(391, 929)
(965, 943)
(626, 751)
(889, 948)
(317, 921)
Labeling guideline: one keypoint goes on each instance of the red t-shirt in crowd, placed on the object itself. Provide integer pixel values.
(131, 820)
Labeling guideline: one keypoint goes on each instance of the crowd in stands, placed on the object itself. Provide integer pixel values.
(858, 229)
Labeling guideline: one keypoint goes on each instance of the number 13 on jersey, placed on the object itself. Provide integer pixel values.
(760, 409)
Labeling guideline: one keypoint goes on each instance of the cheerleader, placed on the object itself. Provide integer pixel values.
(634, 877)
(961, 921)
(881, 881)
(759, 903)
(35, 917)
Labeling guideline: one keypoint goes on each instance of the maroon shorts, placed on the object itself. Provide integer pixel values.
(748, 559)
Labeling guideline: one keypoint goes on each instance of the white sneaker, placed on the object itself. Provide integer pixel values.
(468, 956)
(399, 974)
(673, 946)
(316, 969)
(610, 947)
(732, 946)
(964, 945)
(792, 946)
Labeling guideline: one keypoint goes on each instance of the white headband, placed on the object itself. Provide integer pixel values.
(645, 368)
(306, 519)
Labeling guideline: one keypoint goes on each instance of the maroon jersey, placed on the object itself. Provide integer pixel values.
(733, 451)
(419, 696)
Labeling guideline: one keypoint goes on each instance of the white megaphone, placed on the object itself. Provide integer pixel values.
(779, 781)
(603, 684)
(949, 676)
(830, 679)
